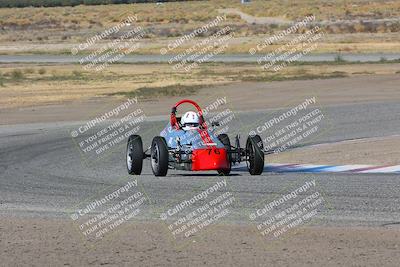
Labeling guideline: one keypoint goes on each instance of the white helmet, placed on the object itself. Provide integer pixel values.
(190, 120)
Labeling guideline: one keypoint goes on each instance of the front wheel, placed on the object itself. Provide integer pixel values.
(159, 156)
(255, 155)
(134, 155)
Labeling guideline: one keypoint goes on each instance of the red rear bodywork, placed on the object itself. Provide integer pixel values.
(209, 159)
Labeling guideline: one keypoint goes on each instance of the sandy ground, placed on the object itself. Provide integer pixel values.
(60, 84)
(369, 151)
(38, 242)
(245, 96)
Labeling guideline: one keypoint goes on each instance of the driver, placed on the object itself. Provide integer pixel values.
(190, 121)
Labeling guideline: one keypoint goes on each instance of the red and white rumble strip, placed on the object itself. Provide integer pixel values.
(279, 167)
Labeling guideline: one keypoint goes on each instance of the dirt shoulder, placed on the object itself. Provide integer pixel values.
(40, 241)
(32, 85)
(373, 151)
(240, 96)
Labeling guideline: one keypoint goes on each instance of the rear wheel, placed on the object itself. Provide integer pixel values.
(159, 156)
(134, 155)
(224, 138)
(255, 155)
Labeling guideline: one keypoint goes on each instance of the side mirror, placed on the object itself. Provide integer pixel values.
(173, 110)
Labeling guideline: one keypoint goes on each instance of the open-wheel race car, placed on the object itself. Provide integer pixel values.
(187, 143)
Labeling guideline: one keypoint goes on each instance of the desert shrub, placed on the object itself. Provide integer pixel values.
(77, 73)
(1, 80)
(42, 71)
(29, 71)
(359, 27)
(17, 75)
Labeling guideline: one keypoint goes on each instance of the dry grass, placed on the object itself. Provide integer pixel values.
(34, 85)
(366, 43)
(200, 11)
(66, 25)
(323, 10)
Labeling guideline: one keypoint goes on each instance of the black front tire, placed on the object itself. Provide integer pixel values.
(159, 156)
(134, 155)
(255, 155)
(224, 138)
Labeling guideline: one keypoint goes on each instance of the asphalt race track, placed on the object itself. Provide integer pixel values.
(42, 173)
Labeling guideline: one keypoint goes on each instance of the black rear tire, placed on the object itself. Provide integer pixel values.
(224, 138)
(134, 155)
(255, 155)
(159, 156)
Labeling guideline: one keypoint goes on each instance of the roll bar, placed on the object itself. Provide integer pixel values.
(174, 121)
